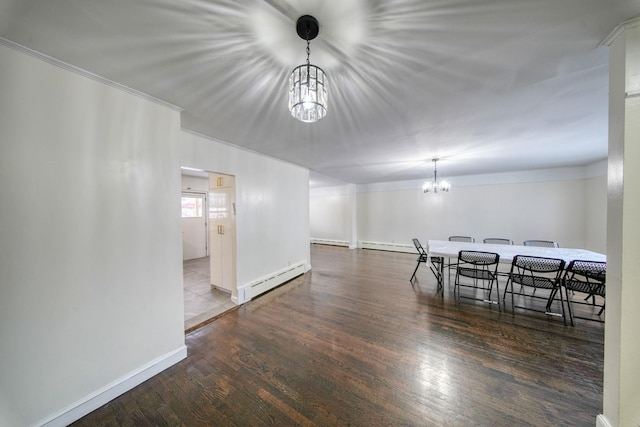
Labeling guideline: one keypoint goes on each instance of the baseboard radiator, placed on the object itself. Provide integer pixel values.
(330, 242)
(262, 285)
(393, 247)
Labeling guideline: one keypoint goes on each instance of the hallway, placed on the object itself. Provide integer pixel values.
(201, 301)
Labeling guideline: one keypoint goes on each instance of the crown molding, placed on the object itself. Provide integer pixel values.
(631, 23)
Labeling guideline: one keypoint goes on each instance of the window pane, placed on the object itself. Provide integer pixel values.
(191, 207)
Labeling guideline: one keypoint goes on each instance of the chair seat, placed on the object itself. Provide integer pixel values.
(585, 287)
(474, 273)
(534, 281)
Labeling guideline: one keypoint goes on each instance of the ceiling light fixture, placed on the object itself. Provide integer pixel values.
(308, 83)
(434, 186)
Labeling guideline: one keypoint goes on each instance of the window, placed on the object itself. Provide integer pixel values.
(192, 207)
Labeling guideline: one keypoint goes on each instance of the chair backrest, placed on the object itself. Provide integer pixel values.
(532, 264)
(498, 241)
(419, 247)
(541, 243)
(461, 239)
(586, 276)
(478, 257)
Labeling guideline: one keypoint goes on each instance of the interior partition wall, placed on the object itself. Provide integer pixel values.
(91, 296)
(272, 208)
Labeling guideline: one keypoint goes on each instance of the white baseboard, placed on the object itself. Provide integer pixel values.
(393, 247)
(266, 283)
(602, 421)
(93, 401)
(331, 242)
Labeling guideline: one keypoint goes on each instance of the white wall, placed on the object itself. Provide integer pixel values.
(330, 213)
(90, 258)
(568, 206)
(595, 210)
(272, 204)
(622, 347)
(195, 183)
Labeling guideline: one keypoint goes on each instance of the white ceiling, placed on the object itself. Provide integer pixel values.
(486, 85)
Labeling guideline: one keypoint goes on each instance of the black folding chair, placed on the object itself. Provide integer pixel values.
(422, 257)
(436, 266)
(586, 277)
(467, 239)
(498, 241)
(481, 267)
(462, 239)
(537, 273)
(541, 243)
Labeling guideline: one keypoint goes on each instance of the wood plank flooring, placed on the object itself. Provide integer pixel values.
(354, 343)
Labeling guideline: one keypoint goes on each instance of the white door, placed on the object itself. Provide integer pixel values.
(194, 226)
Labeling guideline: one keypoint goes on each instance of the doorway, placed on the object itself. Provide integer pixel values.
(208, 274)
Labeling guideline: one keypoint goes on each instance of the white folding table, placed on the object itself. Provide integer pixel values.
(448, 249)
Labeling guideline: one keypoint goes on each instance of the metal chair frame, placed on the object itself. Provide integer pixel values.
(451, 264)
(462, 239)
(541, 243)
(498, 241)
(538, 273)
(481, 267)
(587, 277)
(434, 265)
(422, 256)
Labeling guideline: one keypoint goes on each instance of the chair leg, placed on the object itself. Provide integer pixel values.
(414, 271)
(513, 306)
(438, 273)
(564, 315)
(593, 299)
(456, 288)
(569, 306)
(497, 292)
(552, 296)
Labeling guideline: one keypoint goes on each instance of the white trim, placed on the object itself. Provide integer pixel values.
(602, 421)
(85, 73)
(331, 242)
(631, 23)
(391, 247)
(259, 286)
(592, 170)
(100, 397)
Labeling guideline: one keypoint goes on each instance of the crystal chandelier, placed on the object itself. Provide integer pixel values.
(433, 186)
(308, 83)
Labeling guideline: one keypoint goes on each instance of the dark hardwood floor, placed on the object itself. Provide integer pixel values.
(354, 343)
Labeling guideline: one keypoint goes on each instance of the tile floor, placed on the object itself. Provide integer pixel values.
(201, 301)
